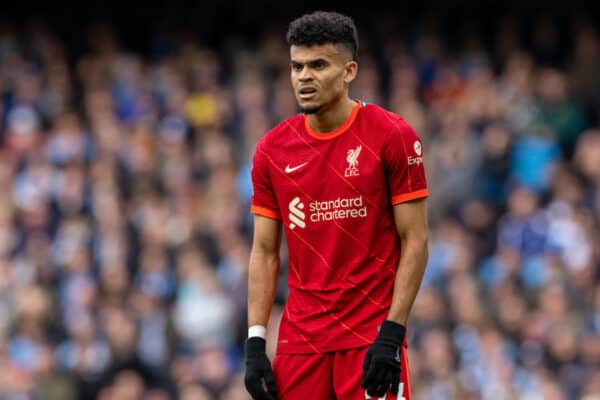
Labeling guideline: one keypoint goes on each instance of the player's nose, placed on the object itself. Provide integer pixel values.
(305, 75)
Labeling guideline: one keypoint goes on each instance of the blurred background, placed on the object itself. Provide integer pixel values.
(127, 132)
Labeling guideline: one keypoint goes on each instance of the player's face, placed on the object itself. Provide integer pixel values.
(320, 75)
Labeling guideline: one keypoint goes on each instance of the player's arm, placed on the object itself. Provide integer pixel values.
(402, 153)
(263, 269)
(262, 284)
(411, 224)
(381, 368)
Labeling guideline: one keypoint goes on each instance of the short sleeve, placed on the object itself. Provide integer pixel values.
(264, 202)
(403, 159)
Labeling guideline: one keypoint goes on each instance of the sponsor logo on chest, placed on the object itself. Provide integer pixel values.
(340, 208)
(324, 211)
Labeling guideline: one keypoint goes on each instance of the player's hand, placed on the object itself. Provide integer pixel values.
(381, 368)
(259, 379)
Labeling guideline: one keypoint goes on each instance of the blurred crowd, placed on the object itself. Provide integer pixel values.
(125, 225)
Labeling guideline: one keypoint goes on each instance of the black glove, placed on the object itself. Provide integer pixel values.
(259, 378)
(381, 369)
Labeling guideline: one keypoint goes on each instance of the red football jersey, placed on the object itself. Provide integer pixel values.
(334, 193)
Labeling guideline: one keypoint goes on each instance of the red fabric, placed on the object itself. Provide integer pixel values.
(334, 197)
(336, 375)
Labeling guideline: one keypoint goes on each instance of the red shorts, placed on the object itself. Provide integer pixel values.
(329, 376)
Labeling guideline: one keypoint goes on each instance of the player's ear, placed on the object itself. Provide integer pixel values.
(350, 70)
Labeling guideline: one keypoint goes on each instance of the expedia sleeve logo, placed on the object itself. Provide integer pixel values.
(418, 148)
(328, 210)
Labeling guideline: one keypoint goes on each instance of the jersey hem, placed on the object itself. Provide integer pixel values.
(290, 348)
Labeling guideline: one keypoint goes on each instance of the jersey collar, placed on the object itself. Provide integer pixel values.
(337, 132)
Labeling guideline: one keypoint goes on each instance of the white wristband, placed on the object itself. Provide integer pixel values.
(257, 331)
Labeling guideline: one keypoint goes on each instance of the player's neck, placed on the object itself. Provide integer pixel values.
(333, 117)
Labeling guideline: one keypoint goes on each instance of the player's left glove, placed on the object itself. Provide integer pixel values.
(381, 368)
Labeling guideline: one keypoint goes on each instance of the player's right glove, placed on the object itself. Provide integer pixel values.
(259, 378)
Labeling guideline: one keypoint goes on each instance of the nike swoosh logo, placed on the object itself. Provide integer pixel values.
(289, 169)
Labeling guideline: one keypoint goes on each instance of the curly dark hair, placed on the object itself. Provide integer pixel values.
(322, 27)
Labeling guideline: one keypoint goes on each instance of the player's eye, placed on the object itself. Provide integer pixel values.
(318, 64)
(297, 67)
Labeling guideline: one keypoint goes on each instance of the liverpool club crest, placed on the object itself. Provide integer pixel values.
(352, 159)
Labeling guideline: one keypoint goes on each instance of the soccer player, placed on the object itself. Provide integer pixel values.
(345, 181)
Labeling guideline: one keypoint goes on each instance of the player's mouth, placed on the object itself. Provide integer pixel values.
(307, 93)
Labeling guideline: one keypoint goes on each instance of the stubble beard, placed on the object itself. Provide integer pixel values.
(311, 109)
(324, 106)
